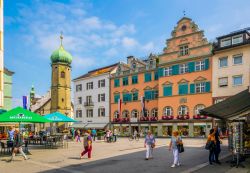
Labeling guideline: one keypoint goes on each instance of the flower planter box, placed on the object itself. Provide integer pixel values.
(144, 119)
(183, 117)
(169, 117)
(199, 117)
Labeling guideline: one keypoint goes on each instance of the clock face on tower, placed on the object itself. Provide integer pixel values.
(184, 27)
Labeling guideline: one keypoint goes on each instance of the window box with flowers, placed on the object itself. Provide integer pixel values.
(198, 116)
(144, 119)
(116, 120)
(167, 117)
(153, 118)
(183, 117)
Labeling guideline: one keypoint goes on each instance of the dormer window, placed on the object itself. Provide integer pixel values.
(183, 50)
(237, 39)
(225, 42)
(134, 65)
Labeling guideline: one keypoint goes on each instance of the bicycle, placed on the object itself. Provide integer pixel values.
(132, 137)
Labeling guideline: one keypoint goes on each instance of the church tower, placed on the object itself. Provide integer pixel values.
(61, 80)
(32, 95)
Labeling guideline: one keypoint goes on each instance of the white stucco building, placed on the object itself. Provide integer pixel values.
(92, 97)
(231, 64)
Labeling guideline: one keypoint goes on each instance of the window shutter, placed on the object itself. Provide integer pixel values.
(156, 75)
(191, 67)
(117, 82)
(160, 72)
(192, 87)
(129, 97)
(207, 87)
(167, 91)
(147, 95)
(206, 64)
(175, 69)
(98, 84)
(117, 96)
(183, 89)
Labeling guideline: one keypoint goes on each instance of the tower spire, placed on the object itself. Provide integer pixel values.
(61, 38)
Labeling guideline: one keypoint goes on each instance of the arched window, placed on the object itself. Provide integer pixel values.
(134, 113)
(145, 114)
(134, 65)
(125, 114)
(183, 110)
(197, 109)
(168, 111)
(62, 74)
(154, 112)
(116, 114)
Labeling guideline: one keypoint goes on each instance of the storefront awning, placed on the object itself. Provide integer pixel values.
(231, 107)
(89, 125)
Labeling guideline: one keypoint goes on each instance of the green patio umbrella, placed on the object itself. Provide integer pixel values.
(20, 115)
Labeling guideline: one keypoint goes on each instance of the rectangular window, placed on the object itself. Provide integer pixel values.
(168, 71)
(223, 62)
(116, 97)
(223, 82)
(125, 81)
(101, 83)
(183, 89)
(135, 96)
(183, 50)
(79, 87)
(199, 65)
(117, 82)
(237, 39)
(127, 97)
(89, 113)
(78, 113)
(101, 97)
(156, 75)
(167, 90)
(89, 85)
(183, 68)
(237, 59)
(155, 94)
(134, 79)
(200, 87)
(225, 42)
(147, 77)
(79, 100)
(101, 112)
(237, 80)
(148, 95)
(88, 99)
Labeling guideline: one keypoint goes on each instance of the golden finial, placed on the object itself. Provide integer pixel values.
(61, 37)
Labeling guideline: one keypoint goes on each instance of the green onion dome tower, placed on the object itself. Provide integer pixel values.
(61, 80)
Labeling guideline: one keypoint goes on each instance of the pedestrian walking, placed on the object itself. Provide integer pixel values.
(108, 135)
(78, 136)
(17, 145)
(93, 134)
(87, 143)
(217, 146)
(175, 140)
(115, 135)
(210, 145)
(149, 144)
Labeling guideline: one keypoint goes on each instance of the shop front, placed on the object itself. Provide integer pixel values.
(144, 129)
(167, 129)
(125, 130)
(183, 129)
(199, 129)
(154, 129)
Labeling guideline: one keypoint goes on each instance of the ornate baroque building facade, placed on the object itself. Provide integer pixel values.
(175, 86)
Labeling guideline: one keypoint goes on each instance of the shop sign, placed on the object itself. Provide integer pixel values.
(154, 124)
(167, 124)
(183, 100)
(199, 124)
(145, 125)
(182, 124)
(125, 125)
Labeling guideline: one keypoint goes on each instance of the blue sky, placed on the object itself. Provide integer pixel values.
(101, 32)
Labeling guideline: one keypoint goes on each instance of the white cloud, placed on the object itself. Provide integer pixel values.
(129, 42)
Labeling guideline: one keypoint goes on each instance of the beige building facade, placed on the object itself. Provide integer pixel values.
(1, 56)
(231, 65)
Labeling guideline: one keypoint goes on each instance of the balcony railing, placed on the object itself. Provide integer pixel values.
(149, 119)
(121, 120)
(88, 104)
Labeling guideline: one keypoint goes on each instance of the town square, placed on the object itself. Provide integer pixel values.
(91, 86)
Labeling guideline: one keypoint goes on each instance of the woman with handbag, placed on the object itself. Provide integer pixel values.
(210, 145)
(175, 141)
(149, 144)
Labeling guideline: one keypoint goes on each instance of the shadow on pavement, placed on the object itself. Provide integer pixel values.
(135, 163)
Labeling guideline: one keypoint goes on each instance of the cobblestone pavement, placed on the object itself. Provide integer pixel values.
(122, 156)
